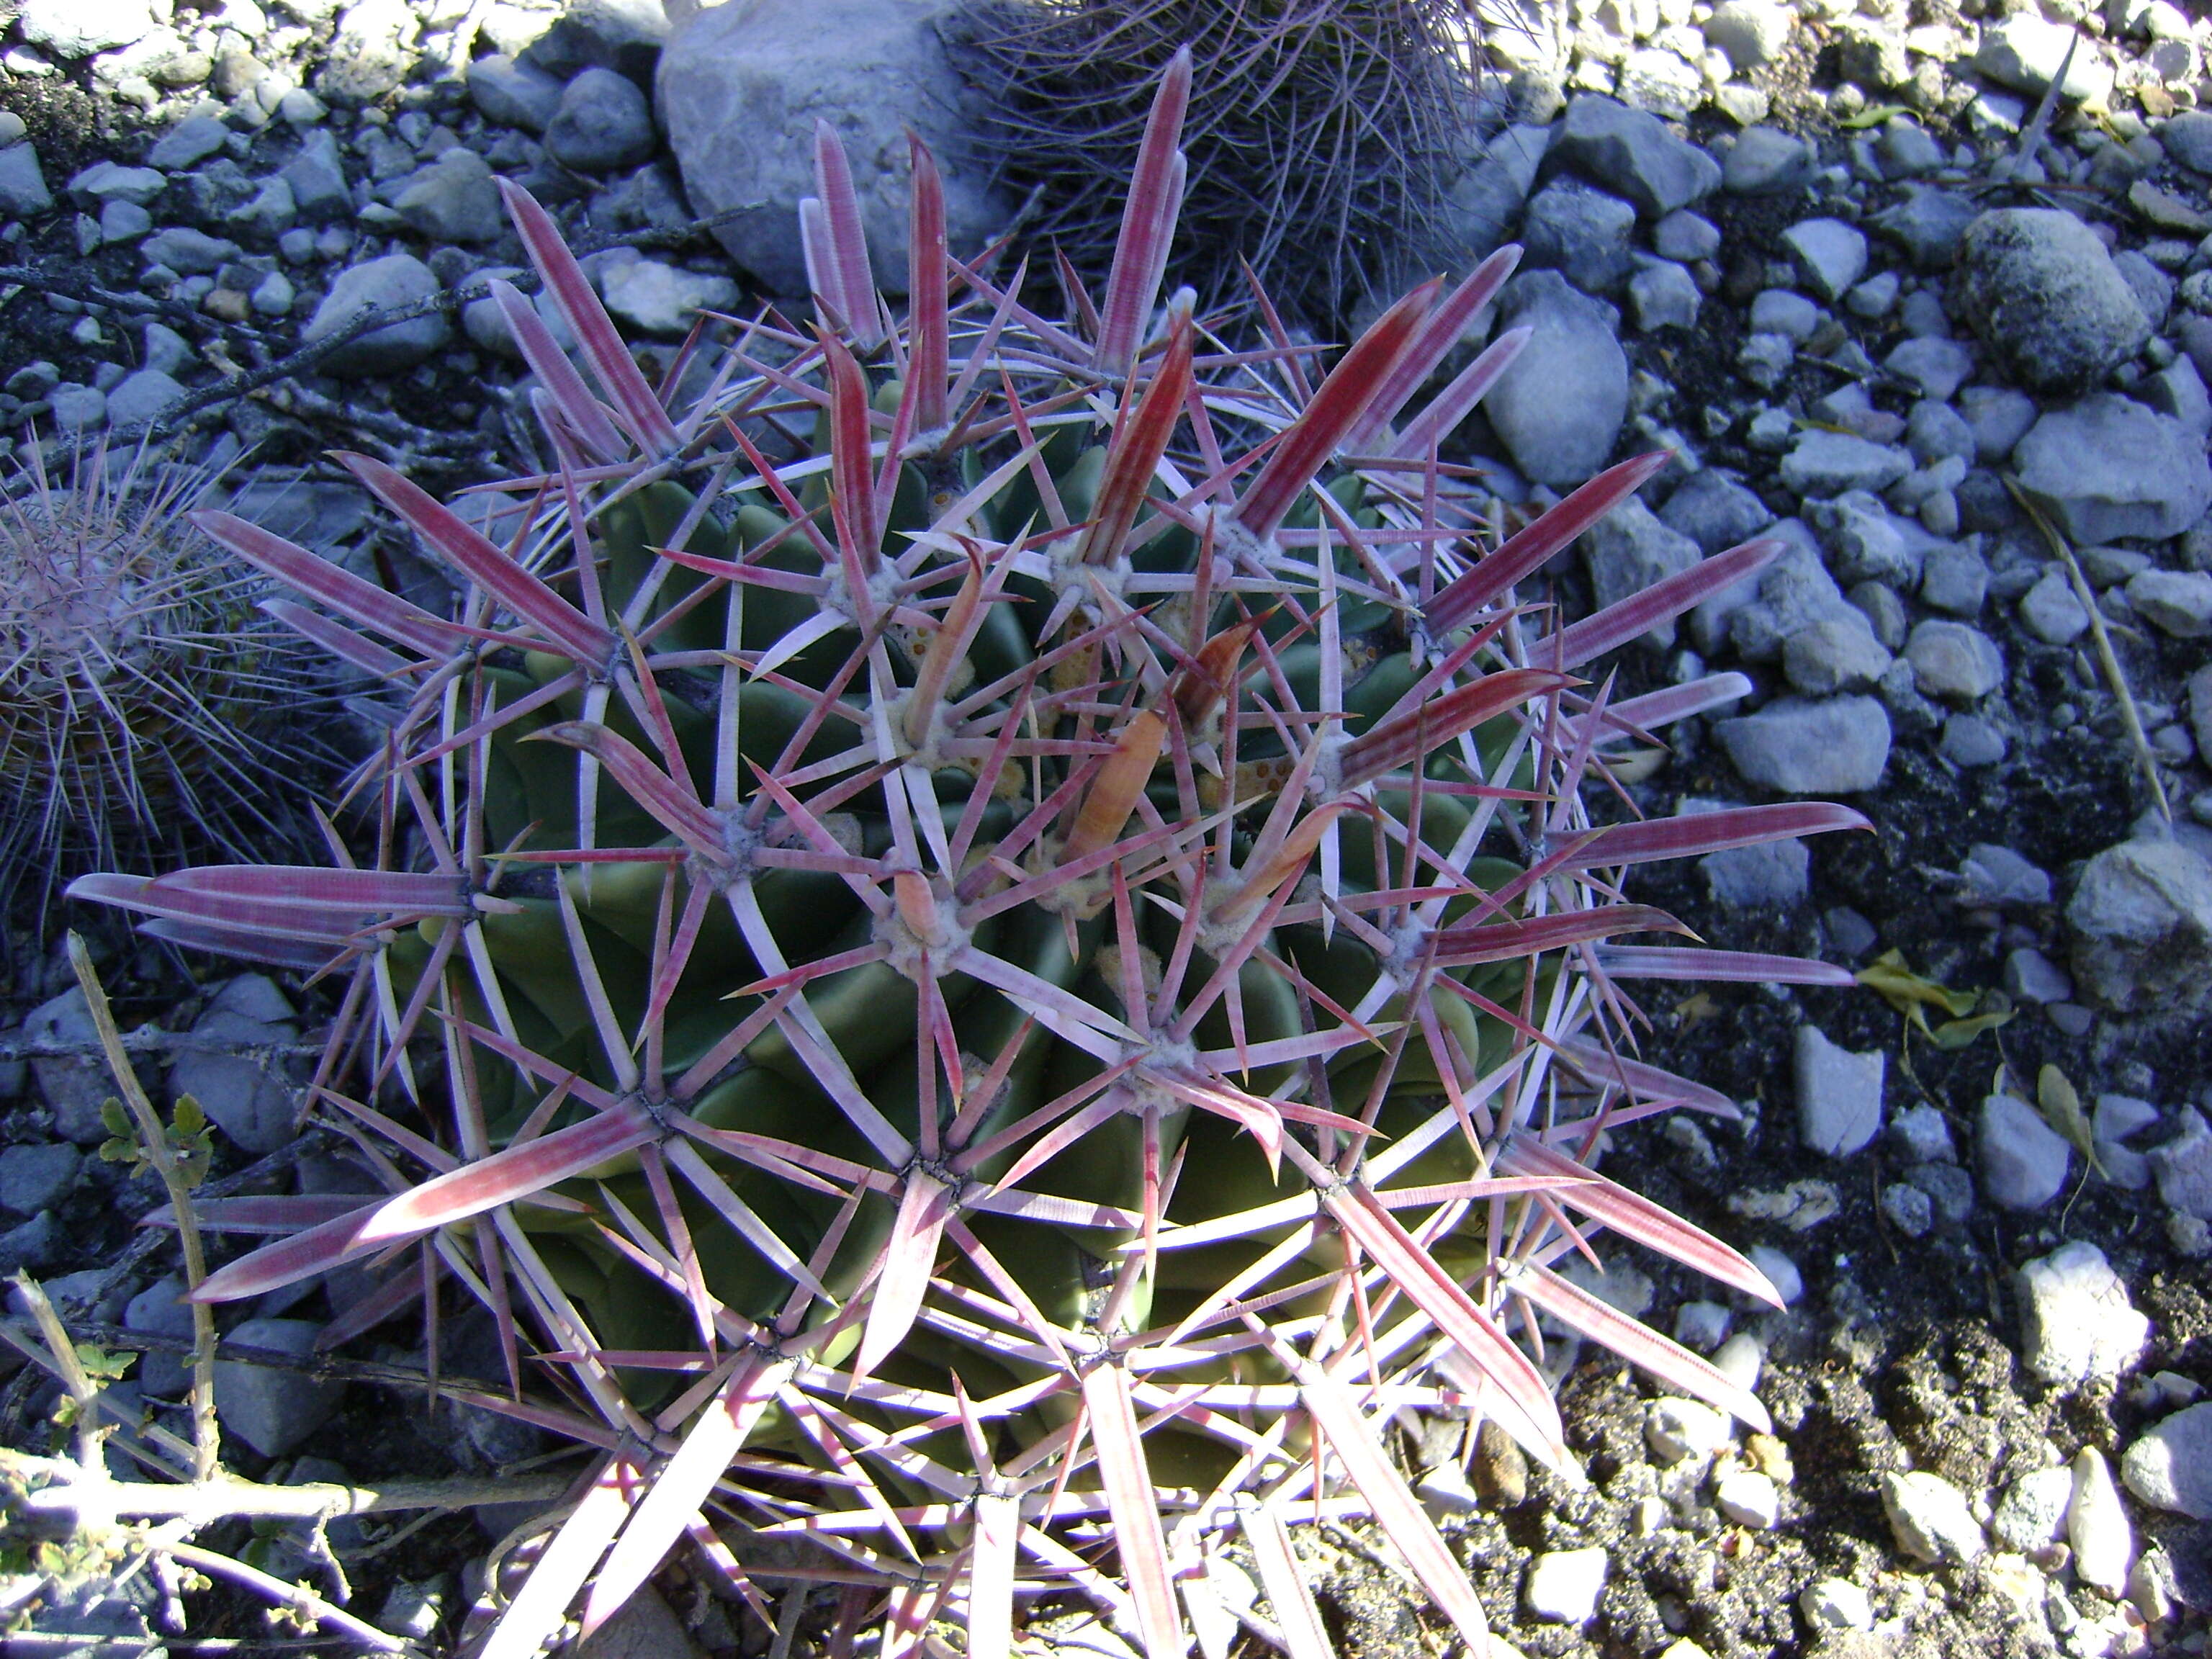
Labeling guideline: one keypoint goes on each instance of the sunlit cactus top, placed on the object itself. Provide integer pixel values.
(985, 944)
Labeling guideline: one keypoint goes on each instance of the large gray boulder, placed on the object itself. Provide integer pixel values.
(740, 86)
(2107, 468)
(2047, 298)
(1559, 407)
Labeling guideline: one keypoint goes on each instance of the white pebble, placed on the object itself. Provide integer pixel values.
(1564, 1585)
(1750, 1499)
(2096, 1526)
(1836, 1604)
(1676, 1429)
(2077, 1324)
(1929, 1519)
(1788, 1282)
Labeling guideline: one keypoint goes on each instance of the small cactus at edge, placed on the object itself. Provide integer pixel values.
(144, 700)
(985, 1005)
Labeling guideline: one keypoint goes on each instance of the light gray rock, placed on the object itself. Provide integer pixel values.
(371, 53)
(161, 1310)
(272, 211)
(1749, 1498)
(511, 94)
(1936, 367)
(142, 396)
(1823, 463)
(1923, 1135)
(111, 181)
(1954, 662)
(1715, 511)
(1969, 741)
(1766, 161)
(2178, 602)
(1773, 874)
(1934, 431)
(2184, 1167)
(1874, 298)
(1836, 746)
(317, 179)
(1929, 223)
(1997, 875)
(245, 1094)
(2108, 468)
(739, 88)
(2025, 52)
(2031, 976)
(1779, 310)
(2170, 1468)
(1580, 232)
(1765, 360)
(1685, 236)
(2050, 612)
(1999, 416)
(2140, 922)
(78, 407)
(1839, 1105)
(1484, 203)
(122, 222)
(1911, 1211)
(78, 28)
(37, 1177)
(1866, 542)
(2046, 299)
(603, 124)
(272, 1410)
(1830, 255)
(36, 1246)
(1634, 155)
(1906, 149)
(23, 192)
(1955, 578)
(1836, 1604)
(1833, 654)
(1702, 1326)
(191, 252)
(661, 298)
(455, 198)
(1629, 549)
(2096, 1526)
(2032, 1514)
(73, 1087)
(2022, 1160)
(1930, 1518)
(1664, 295)
(2077, 1323)
(395, 281)
(1663, 82)
(2178, 391)
(1563, 1586)
(627, 36)
(188, 143)
(1749, 33)
(644, 1627)
(1677, 1429)
(1555, 441)
(1759, 615)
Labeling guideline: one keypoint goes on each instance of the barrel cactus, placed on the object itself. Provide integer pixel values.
(985, 944)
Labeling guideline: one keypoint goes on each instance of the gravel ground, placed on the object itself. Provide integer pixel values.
(1861, 307)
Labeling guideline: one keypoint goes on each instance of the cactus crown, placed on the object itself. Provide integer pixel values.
(993, 993)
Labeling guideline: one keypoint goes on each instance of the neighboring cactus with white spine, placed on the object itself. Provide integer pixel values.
(147, 710)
